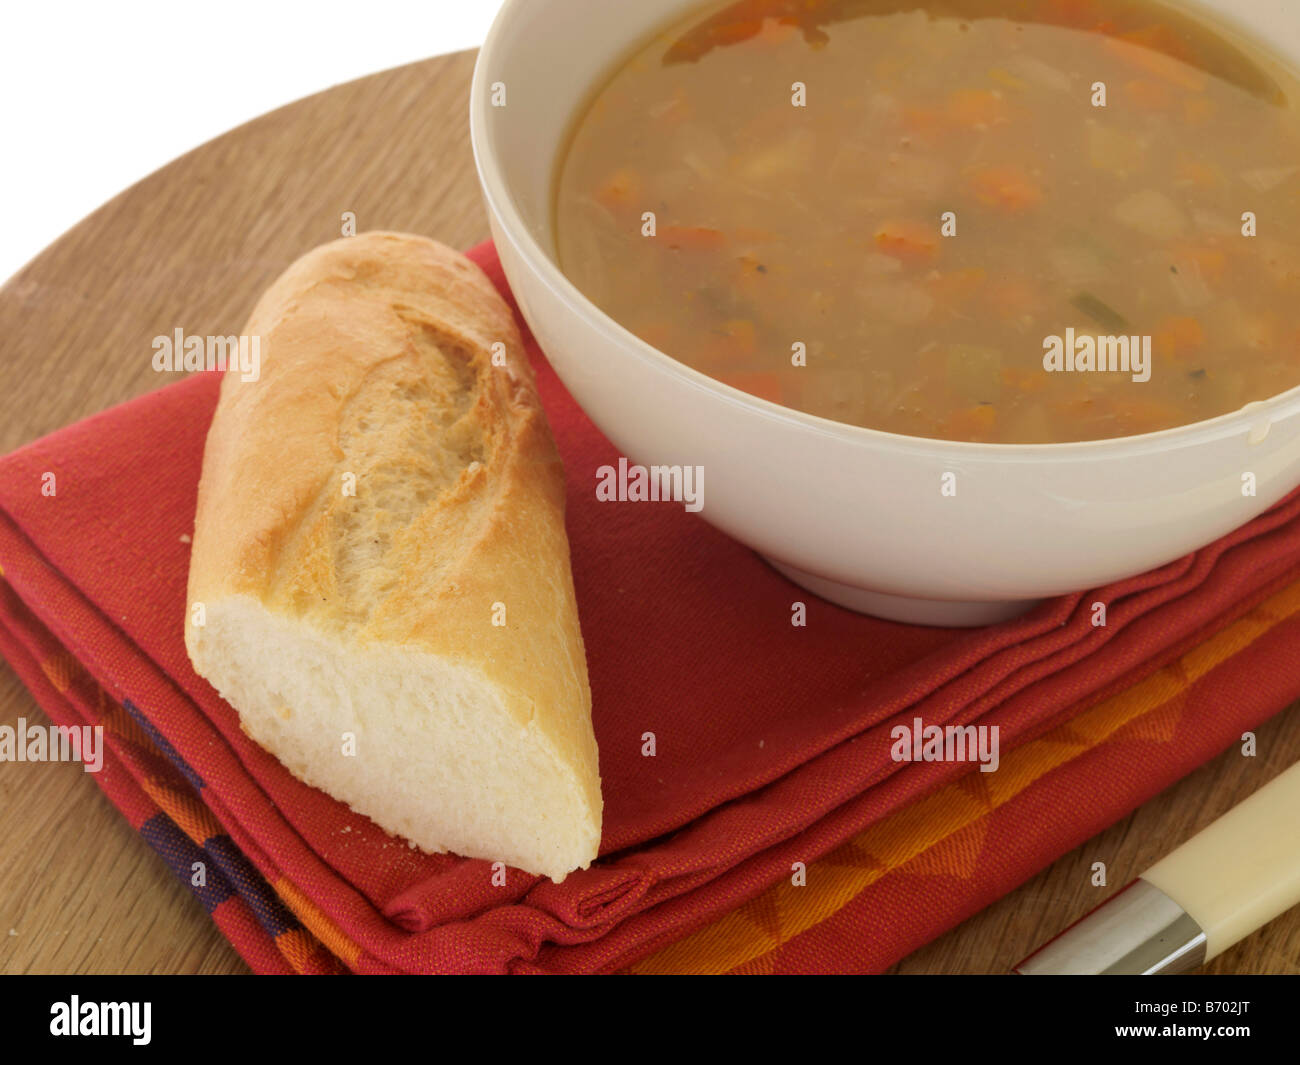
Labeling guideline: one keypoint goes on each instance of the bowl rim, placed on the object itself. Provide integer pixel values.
(503, 205)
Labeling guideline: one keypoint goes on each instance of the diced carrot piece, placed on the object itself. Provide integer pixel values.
(1281, 261)
(732, 344)
(693, 238)
(1146, 415)
(742, 328)
(1178, 337)
(749, 265)
(1013, 298)
(1211, 262)
(907, 239)
(1202, 175)
(1074, 410)
(971, 108)
(741, 336)
(925, 122)
(1023, 380)
(1006, 79)
(751, 278)
(764, 384)
(956, 288)
(621, 189)
(972, 423)
(740, 22)
(735, 32)
(1147, 94)
(760, 26)
(777, 30)
(1007, 188)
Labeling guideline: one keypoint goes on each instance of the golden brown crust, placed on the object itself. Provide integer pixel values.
(377, 363)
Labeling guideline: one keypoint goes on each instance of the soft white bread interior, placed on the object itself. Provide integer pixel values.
(380, 557)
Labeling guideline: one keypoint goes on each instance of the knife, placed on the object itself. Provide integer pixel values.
(1225, 882)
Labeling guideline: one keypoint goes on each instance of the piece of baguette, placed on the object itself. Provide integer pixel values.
(431, 614)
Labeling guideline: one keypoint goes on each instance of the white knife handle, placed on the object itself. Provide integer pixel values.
(1243, 870)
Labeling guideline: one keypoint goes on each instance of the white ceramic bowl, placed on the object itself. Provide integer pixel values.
(854, 515)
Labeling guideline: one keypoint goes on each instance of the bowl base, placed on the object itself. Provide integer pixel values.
(938, 612)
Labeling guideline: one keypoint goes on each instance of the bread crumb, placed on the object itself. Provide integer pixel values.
(185, 538)
(13, 931)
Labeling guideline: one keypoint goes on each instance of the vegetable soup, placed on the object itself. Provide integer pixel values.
(1013, 221)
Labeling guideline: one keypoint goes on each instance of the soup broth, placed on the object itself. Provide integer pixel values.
(923, 217)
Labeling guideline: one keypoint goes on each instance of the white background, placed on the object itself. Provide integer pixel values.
(96, 95)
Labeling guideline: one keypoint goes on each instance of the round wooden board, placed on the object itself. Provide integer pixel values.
(193, 246)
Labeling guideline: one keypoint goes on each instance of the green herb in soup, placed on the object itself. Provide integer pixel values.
(1016, 222)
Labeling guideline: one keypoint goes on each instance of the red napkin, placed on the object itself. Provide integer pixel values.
(772, 742)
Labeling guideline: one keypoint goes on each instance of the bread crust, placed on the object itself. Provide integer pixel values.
(377, 361)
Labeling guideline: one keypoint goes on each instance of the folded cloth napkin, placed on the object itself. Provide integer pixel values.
(771, 829)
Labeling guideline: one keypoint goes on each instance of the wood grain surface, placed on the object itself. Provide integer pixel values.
(193, 246)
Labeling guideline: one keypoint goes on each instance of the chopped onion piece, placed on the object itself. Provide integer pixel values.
(1039, 72)
(701, 149)
(1153, 214)
(1076, 265)
(1115, 151)
(1215, 224)
(877, 265)
(919, 176)
(884, 109)
(900, 303)
(1268, 178)
(1188, 284)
